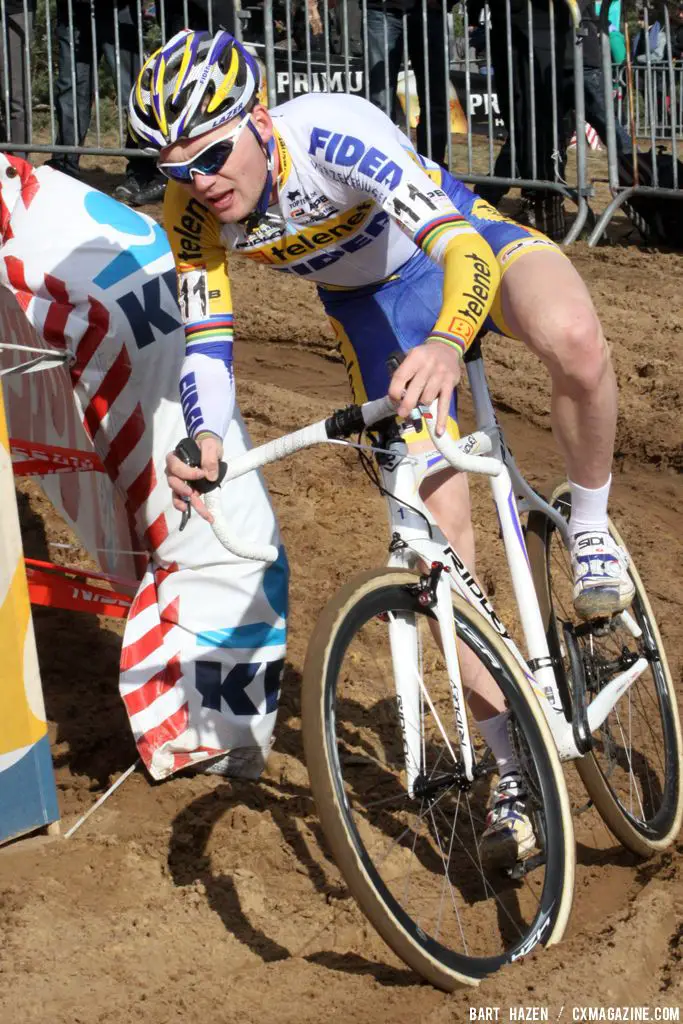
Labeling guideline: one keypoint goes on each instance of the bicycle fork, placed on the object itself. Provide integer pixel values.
(412, 695)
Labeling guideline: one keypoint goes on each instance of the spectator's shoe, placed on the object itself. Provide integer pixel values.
(546, 214)
(135, 191)
(151, 191)
(602, 585)
(509, 835)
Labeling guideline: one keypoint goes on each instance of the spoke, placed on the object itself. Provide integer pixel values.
(446, 873)
(630, 764)
(410, 869)
(487, 885)
(419, 816)
(387, 800)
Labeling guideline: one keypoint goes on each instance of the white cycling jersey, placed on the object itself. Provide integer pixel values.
(353, 203)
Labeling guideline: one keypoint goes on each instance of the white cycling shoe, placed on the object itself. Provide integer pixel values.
(602, 585)
(509, 835)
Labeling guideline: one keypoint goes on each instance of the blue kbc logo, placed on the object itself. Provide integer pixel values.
(150, 240)
(152, 303)
(348, 151)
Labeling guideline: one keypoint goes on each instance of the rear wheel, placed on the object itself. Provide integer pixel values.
(413, 862)
(633, 771)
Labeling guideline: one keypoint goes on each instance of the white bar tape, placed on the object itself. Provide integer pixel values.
(377, 410)
(452, 451)
(275, 450)
(256, 552)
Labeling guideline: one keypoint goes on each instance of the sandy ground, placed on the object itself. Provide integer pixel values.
(200, 899)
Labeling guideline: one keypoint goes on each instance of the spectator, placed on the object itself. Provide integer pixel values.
(461, 57)
(656, 37)
(677, 35)
(19, 28)
(617, 45)
(385, 37)
(307, 19)
(202, 15)
(142, 183)
(546, 207)
(354, 22)
(593, 80)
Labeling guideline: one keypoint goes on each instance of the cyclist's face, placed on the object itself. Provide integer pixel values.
(232, 192)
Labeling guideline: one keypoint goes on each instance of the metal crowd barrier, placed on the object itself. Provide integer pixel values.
(60, 99)
(659, 88)
(61, 60)
(452, 73)
(421, 57)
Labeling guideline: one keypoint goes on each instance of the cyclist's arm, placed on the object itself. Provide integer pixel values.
(396, 179)
(471, 275)
(207, 388)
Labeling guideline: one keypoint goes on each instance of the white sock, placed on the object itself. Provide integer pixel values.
(589, 508)
(495, 733)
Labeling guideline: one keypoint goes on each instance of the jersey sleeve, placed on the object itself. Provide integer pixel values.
(371, 156)
(207, 386)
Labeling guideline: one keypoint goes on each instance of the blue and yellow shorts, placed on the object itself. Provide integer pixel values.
(372, 323)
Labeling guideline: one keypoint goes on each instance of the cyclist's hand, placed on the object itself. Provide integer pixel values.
(180, 475)
(430, 371)
(212, 452)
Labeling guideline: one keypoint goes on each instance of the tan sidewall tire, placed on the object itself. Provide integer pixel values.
(321, 775)
(587, 766)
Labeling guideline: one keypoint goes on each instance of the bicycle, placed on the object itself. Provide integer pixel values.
(398, 771)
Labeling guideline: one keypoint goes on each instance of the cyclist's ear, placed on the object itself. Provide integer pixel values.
(262, 121)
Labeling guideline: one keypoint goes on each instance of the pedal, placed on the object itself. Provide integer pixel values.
(525, 867)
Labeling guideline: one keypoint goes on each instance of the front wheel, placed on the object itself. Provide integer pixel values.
(633, 771)
(410, 851)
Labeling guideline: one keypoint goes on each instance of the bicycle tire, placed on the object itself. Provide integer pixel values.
(644, 837)
(371, 594)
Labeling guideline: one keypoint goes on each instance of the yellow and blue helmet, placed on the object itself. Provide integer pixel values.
(192, 84)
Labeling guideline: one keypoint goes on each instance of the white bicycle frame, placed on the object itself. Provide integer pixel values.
(417, 540)
(413, 547)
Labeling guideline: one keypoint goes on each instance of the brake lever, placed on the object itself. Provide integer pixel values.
(189, 452)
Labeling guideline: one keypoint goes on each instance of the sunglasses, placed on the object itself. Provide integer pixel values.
(208, 160)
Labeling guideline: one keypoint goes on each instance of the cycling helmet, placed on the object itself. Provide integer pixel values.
(195, 82)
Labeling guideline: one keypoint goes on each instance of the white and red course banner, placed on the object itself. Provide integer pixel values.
(205, 637)
(40, 407)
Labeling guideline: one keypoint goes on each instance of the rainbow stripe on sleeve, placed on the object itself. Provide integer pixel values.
(432, 234)
(210, 337)
(451, 339)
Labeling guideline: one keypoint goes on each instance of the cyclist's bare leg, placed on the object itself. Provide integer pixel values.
(546, 304)
(448, 499)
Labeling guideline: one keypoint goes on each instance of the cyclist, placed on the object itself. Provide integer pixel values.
(405, 257)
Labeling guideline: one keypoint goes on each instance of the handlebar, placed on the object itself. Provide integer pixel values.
(467, 455)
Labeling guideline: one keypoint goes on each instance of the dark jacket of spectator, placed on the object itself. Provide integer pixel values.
(677, 38)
